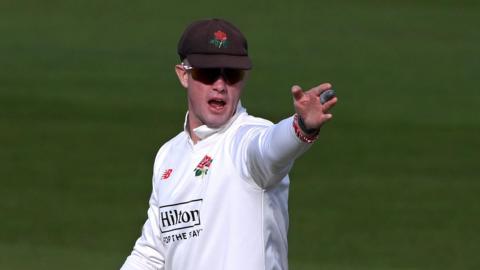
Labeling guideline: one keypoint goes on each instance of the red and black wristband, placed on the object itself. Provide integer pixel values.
(304, 134)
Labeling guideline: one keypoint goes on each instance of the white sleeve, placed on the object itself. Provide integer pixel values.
(148, 252)
(266, 153)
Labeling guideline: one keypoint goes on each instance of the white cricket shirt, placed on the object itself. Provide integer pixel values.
(220, 204)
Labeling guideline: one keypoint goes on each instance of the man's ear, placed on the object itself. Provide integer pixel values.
(182, 75)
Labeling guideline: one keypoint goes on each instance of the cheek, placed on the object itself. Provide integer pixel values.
(236, 94)
(196, 97)
(195, 90)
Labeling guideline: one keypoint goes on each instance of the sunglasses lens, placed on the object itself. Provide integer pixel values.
(233, 75)
(206, 75)
(210, 75)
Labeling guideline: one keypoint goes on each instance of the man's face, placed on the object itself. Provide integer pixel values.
(212, 100)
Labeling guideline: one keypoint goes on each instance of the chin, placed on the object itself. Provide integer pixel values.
(216, 123)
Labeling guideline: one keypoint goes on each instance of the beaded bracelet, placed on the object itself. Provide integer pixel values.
(300, 134)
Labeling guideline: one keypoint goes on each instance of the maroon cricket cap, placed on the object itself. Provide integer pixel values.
(214, 43)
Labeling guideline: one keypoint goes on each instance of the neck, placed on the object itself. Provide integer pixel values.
(192, 123)
(190, 127)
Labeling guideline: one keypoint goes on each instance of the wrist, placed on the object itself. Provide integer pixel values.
(303, 133)
(307, 131)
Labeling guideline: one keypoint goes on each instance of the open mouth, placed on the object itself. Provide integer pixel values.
(217, 104)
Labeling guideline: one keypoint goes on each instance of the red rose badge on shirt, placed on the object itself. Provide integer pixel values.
(203, 166)
(220, 39)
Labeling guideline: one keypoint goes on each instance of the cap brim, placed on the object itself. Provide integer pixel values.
(219, 61)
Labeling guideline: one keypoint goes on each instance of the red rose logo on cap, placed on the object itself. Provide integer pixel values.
(219, 40)
(219, 35)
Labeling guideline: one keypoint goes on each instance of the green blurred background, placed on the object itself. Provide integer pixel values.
(88, 94)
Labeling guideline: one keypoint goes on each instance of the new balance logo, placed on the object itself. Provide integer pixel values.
(167, 174)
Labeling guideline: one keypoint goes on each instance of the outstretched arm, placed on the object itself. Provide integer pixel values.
(269, 153)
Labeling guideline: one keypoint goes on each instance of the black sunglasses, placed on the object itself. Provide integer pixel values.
(211, 75)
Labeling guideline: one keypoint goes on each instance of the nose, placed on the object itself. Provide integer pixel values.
(220, 85)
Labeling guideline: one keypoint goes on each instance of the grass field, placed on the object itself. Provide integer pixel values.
(88, 95)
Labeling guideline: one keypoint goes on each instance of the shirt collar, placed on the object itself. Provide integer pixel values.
(204, 131)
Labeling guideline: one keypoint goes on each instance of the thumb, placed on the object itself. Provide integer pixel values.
(297, 92)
